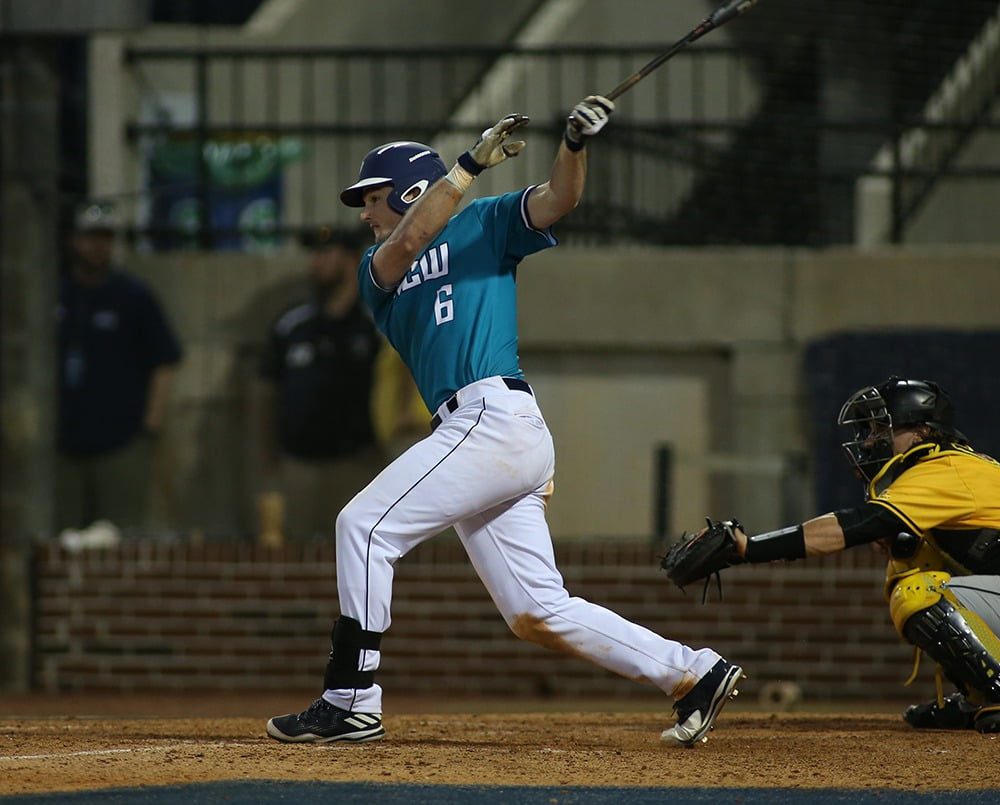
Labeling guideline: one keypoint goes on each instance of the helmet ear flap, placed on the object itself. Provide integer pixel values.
(402, 201)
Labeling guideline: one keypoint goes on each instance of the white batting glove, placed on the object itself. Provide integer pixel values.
(490, 150)
(588, 117)
(492, 147)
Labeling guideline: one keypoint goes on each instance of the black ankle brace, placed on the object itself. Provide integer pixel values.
(347, 641)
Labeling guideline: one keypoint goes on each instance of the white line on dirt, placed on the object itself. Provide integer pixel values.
(124, 751)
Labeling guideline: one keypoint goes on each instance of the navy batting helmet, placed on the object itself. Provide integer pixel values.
(409, 167)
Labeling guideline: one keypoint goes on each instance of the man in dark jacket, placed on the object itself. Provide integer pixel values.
(117, 354)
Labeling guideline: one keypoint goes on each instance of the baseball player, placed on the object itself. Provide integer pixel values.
(441, 287)
(934, 504)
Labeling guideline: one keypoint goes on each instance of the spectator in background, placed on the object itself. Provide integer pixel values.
(117, 354)
(319, 442)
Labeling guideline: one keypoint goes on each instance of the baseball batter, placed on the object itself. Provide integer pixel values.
(441, 287)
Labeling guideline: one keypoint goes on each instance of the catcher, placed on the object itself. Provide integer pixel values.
(934, 504)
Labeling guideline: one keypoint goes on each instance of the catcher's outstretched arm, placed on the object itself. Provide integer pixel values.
(826, 534)
(724, 543)
(785, 543)
(823, 535)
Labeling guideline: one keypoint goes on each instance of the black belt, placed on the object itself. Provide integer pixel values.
(513, 383)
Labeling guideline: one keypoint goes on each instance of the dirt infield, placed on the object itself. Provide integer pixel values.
(48, 752)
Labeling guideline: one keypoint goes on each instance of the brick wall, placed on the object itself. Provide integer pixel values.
(231, 617)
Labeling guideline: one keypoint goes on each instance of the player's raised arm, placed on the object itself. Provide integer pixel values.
(561, 193)
(425, 219)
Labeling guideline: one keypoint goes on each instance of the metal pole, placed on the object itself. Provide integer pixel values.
(793, 487)
(663, 470)
(29, 258)
(204, 192)
(897, 150)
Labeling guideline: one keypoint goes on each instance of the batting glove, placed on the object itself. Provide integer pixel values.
(587, 118)
(492, 148)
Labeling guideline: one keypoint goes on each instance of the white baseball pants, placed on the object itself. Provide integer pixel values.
(486, 470)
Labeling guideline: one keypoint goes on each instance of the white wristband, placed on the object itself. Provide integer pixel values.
(460, 177)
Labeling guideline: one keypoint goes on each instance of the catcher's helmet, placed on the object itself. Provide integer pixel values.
(873, 412)
(409, 167)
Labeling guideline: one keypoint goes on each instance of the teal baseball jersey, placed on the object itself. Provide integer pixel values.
(453, 317)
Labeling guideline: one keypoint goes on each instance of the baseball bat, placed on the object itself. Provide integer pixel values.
(719, 17)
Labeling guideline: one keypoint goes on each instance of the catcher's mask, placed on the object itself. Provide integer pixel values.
(872, 414)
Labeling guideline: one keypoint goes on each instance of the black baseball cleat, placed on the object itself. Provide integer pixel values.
(957, 714)
(323, 723)
(988, 718)
(697, 711)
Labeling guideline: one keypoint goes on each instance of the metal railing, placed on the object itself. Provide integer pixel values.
(707, 151)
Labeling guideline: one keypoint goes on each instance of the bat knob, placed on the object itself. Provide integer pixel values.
(732, 9)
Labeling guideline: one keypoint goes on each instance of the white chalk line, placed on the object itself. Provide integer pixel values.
(124, 751)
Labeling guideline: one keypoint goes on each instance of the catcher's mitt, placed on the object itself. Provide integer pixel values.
(701, 555)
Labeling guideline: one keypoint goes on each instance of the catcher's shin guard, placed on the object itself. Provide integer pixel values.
(347, 641)
(953, 636)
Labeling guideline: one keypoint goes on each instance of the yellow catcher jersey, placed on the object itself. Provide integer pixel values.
(950, 496)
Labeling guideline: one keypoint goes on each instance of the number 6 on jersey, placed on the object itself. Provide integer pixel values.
(444, 305)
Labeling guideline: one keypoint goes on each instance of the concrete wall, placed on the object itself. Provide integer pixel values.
(963, 210)
(628, 349)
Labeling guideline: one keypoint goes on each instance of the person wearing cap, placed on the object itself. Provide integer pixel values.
(117, 353)
(319, 445)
